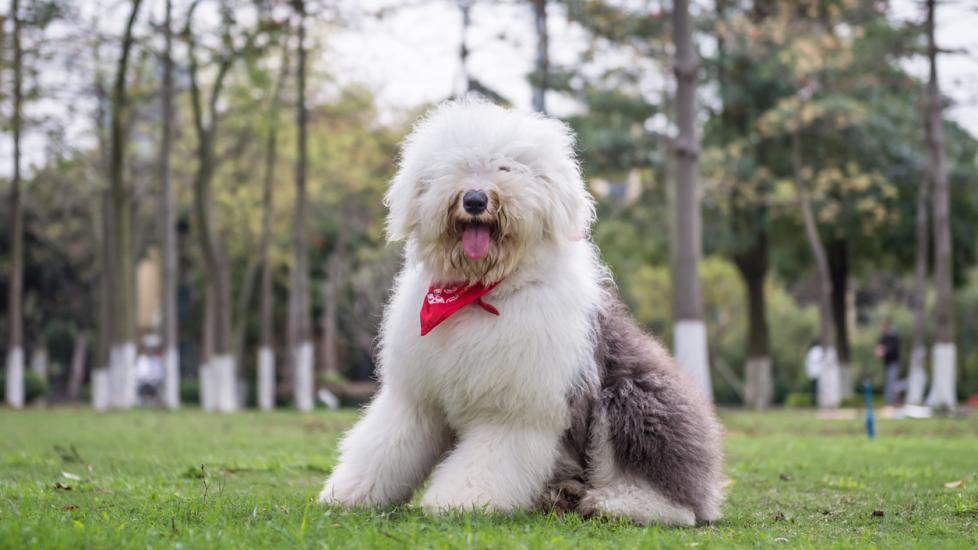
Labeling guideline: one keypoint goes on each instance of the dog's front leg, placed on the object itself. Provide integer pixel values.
(496, 467)
(388, 454)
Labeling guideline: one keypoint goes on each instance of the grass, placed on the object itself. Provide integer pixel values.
(75, 479)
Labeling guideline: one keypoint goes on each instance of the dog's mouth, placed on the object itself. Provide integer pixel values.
(476, 237)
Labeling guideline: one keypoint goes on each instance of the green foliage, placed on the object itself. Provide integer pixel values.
(799, 400)
(189, 479)
(35, 387)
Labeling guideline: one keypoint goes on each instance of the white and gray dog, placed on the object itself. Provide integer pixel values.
(532, 386)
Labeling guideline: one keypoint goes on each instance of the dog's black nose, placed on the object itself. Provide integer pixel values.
(475, 202)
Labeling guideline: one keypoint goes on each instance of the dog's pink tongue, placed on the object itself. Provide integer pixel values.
(475, 241)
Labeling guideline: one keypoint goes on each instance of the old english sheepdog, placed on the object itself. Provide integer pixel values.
(512, 377)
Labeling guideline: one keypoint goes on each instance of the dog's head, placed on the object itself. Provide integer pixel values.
(480, 186)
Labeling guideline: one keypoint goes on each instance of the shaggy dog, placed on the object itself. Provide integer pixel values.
(532, 385)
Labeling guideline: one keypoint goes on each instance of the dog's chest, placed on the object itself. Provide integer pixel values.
(521, 362)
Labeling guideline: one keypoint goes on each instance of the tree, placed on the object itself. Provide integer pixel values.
(690, 332)
(15, 352)
(542, 60)
(218, 373)
(828, 382)
(171, 357)
(122, 353)
(942, 392)
(917, 377)
(300, 321)
(266, 353)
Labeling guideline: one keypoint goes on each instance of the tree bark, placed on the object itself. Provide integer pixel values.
(753, 265)
(77, 371)
(690, 332)
(463, 82)
(917, 379)
(123, 347)
(171, 357)
(266, 346)
(943, 392)
(838, 255)
(542, 60)
(222, 373)
(828, 382)
(301, 341)
(14, 383)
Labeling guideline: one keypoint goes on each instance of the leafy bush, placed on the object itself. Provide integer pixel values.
(799, 400)
(34, 386)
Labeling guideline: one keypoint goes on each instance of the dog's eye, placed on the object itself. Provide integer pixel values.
(505, 169)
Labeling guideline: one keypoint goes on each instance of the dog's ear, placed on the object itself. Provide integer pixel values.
(572, 215)
(400, 202)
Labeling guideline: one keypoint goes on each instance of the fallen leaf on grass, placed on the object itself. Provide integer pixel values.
(878, 513)
(784, 477)
(71, 476)
(61, 486)
(954, 484)
(780, 539)
(68, 507)
(779, 516)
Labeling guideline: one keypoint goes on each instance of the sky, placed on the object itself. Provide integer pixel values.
(410, 57)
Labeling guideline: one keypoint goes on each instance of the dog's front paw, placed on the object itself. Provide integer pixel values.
(340, 491)
(440, 501)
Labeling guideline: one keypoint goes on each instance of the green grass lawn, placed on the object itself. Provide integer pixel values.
(75, 479)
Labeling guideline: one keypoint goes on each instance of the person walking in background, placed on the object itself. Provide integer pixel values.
(888, 349)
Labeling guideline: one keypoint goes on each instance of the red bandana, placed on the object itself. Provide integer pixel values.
(441, 302)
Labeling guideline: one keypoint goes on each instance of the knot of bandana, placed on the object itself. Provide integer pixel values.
(442, 301)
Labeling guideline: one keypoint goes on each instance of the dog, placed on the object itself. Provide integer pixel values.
(526, 383)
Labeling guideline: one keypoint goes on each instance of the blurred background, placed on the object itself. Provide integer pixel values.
(193, 190)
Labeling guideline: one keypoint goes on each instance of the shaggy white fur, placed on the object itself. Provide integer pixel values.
(479, 405)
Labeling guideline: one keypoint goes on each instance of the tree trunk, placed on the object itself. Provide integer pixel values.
(690, 332)
(220, 374)
(828, 383)
(101, 385)
(171, 356)
(838, 255)
(463, 81)
(942, 392)
(301, 340)
(330, 325)
(266, 346)
(77, 372)
(542, 61)
(14, 382)
(122, 355)
(917, 379)
(752, 265)
(205, 382)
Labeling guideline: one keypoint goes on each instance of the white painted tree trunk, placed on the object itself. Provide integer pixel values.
(266, 378)
(846, 387)
(758, 387)
(206, 387)
(829, 387)
(225, 383)
(689, 339)
(917, 379)
(171, 378)
(14, 381)
(101, 389)
(122, 375)
(303, 380)
(39, 363)
(942, 390)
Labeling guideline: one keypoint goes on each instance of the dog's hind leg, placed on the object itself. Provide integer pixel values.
(388, 454)
(616, 493)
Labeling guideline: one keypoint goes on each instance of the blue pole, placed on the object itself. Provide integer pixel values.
(870, 424)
